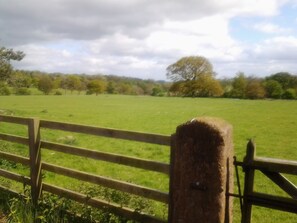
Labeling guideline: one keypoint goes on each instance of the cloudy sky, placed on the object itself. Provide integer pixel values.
(140, 38)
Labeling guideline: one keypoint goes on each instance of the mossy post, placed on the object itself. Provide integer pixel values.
(201, 172)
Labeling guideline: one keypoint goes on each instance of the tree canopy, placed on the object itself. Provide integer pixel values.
(6, 55)
(189, 69)
(193, 77)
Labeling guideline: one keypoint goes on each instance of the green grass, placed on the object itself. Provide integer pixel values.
(271, 123)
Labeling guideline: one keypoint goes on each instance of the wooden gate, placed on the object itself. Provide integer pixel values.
(273, 169)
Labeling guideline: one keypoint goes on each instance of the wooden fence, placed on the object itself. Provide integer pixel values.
(271, 168)
(200, 172)
(35, 143)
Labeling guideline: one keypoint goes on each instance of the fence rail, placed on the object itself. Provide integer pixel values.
(35, 144)
(271, 168)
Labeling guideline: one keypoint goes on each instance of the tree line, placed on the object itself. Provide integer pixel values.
(194, 77)
(21, 82)
(191, 76)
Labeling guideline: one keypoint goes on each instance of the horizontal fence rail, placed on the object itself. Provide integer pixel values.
(37, 166)
(14, 119)
(109, 157)
(106, 182)
(106, 132)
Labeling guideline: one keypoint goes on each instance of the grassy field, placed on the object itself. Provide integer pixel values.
(271, 123)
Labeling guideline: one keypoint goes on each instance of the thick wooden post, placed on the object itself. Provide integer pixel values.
(201, 172)
(248, 182)
(35, 157)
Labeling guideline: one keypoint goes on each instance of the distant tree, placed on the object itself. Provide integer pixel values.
(193, 77)
(110, 89)
(254, 89)
(204, 86)
(45, 84)
(176, 88)
(64, 84)
(96, 86)
(6, 55)
(189, 68)
(57, 80)
(286, 79)
(157, 91)
(124, 88)
(73, 83)
(4, 89)
(19, 79)
(239, 86)
(273, 89)
(208, 87)
(289, 94)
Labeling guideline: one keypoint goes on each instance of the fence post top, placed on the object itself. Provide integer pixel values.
(217, 124)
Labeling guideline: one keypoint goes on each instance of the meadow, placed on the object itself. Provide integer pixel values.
(271, 123)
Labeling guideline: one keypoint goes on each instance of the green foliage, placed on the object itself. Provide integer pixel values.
(96, 86)
(22, 91)
(6, 55)
(289, 94)
(189, 69)
(239, 86)
(254, 90)
(273, 89)
(193, 77)
(73, 83)
(285, 79)
(58, 92)
(45, 84)
(19, 80)
(4, 89)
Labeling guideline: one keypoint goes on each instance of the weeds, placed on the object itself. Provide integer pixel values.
(54, 209)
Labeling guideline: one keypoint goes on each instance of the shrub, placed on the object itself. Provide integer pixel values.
(4, 90)
(22, 91)
(58, 92)
(289, 94)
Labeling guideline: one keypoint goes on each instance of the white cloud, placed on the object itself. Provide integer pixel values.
(271, 28)
(135, 38)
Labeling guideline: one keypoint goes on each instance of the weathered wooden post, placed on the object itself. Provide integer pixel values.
(248, 182)
(201, 172)
(35, 156)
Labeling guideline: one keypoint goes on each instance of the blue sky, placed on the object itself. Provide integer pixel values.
(140, 38)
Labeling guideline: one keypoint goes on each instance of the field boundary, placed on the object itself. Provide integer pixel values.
(272, 169)
(36, 144)
(200, 170)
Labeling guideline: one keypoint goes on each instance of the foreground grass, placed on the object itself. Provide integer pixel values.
(272, 124)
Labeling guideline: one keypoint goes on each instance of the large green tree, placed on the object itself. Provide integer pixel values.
(239, 84)
(193, 77)
(6, 55)
(96, 86)
(45, 84)
(273, 89)
(189, 68)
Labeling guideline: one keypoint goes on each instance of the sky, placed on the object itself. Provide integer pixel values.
(141, 38)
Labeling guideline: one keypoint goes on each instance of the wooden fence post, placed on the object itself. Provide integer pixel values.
(35, 159)
(201, 172)
(248, 182)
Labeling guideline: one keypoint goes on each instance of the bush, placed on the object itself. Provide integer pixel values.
(58, 92)
(289, 94)
(22, 91)
(4, 90)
